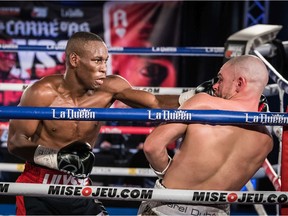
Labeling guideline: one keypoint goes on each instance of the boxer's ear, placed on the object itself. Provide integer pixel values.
(73, 59)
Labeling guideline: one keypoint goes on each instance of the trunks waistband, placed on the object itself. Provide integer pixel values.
(39, 174)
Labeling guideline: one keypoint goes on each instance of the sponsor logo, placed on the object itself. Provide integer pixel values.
(266, 118)
(9, 11)
(225, 197)
(9, 46)
(74, 114)
(164, 49)
(39, 12)
(4, 188)
(170, 115)
(154, 90)
(214, 50)
(115, 49)
(71, 13)
(63, 179)
(234, 50)
(100, 192)
(43, 28)
(111, 130)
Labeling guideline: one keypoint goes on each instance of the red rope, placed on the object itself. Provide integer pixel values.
(126, 130)
(108, 129)
(271, 174)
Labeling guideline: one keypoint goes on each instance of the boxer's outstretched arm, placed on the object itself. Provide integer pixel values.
(123, 91)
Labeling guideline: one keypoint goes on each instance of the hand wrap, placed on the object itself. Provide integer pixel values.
(161, 174)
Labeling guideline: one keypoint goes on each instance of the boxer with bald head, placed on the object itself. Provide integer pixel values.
(212, 157)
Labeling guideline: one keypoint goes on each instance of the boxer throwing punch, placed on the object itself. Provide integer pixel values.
(212, 157)
(60, 152)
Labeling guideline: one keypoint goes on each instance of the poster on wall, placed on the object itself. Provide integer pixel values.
(142, 24)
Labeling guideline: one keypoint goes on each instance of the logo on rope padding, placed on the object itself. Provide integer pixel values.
(169, 115)
(266, 118)
(74, 114)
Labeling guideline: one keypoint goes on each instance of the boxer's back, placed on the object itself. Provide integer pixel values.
(219, 157)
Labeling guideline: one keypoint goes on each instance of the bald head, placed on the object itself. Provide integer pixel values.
(252, 69)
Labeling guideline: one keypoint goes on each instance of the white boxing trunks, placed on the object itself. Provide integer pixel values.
(161, 208)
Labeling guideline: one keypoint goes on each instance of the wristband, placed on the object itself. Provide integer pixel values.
(161, 174)
(46, 157)
(185, 96)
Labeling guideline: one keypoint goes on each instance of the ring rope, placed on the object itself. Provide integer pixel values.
(130, 114)
(159, 51)
(141, 194)
(116, 171)
(126, 130)
(270, 90)
(271, 174)
(108, 129)
(175, 51)
(274, 74)
(258, 207)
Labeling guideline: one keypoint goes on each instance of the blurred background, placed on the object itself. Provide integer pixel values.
(158, 24)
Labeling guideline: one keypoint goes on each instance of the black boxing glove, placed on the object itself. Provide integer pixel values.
(263, 104)
(206, 87)
(76, 159)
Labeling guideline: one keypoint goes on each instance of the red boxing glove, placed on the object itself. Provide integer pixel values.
(263, 104)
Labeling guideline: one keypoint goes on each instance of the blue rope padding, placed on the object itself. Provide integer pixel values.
(130, 114)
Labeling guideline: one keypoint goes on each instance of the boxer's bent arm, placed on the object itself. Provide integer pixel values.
(156, 143)
(19, 143)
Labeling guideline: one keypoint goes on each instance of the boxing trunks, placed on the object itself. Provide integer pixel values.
(54, 206)
(161, 208)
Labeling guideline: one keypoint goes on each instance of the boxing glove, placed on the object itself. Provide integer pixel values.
(263, 104)
(206, 87)
(76, 159)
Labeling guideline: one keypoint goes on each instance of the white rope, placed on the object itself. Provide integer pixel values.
(258, 207)
(114, 171)
(141, 194)
(270, 90)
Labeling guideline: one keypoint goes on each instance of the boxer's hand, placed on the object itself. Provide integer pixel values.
(263, 104)
(76, 158)
(206, 87)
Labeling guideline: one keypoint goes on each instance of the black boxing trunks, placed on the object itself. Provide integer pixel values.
(54, 206)
(161, 208)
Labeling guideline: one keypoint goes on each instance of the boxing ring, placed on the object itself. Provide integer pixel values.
(275, 121)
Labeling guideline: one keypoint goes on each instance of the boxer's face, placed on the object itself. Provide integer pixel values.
(92, 64)
(225, 86)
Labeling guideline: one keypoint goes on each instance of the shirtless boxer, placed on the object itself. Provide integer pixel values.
(212, 157)
(46, 145)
